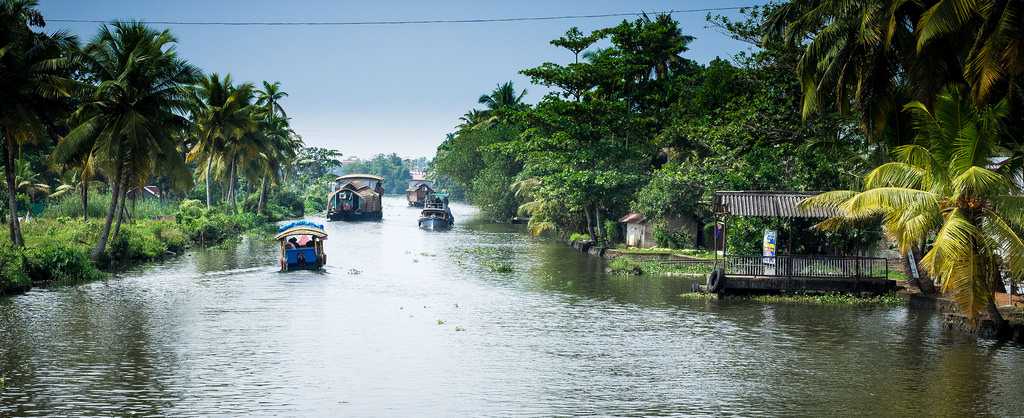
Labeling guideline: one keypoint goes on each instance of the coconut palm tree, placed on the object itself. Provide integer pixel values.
(269, 98)
(130, 118)
(35, 73)
(283, 146)
(996, 53)
(28, 184)
(76, 177)
(504, 96)
(222, 111)
(860, 54)
(946, 188)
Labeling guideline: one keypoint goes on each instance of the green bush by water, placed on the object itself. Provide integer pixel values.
(58, 247)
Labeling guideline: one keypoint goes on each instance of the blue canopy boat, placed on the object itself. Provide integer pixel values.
(302, 246)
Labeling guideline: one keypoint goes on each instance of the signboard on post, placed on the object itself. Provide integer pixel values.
(768, 251)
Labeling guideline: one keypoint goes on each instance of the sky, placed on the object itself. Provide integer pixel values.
(365, 90)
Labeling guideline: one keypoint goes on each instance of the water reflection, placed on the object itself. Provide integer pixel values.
(480, 320)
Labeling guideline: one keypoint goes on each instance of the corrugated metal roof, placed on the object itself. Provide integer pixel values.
(768, 204)
(632, 217)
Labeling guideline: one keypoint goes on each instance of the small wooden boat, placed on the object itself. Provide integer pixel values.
(302, 246)
(436, 215)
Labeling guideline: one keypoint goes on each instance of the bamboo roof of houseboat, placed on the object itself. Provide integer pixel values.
(359, 177)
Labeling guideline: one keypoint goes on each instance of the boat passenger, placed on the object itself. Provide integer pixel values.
(292, 243)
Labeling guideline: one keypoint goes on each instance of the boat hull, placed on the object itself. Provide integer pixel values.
(434, 224)
(355, 216)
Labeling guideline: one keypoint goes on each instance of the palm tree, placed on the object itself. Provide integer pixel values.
(222, 111)
(504, 96)
(283, 146)
(269, 98)
(77, 177)
(945, 187)
(131, 117)
(28, 184)
(35, 73)
(996, 53)
(861, 54)
(534, 205)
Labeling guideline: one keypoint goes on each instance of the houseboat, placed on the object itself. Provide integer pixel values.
(355, 197)
(302, 246)
(436, 214)
(417, 192)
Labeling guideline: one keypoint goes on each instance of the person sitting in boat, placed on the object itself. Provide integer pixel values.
(292, 243)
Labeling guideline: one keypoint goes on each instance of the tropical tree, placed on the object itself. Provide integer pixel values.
(133, 114)
(76, 177)
(222, 111)
(995, 56)
(282, 147)
(35, 73)
(859, 55)
(28, 185)
(504, 96)
(269, 98)
(947, 188)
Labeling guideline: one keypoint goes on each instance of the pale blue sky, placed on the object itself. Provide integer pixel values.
(379, 89)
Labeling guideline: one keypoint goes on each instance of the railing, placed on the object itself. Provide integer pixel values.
(808, 266)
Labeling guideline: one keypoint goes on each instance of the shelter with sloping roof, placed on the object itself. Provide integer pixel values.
(768, 204)
(761, 204)
(637, 232)
(770, 272)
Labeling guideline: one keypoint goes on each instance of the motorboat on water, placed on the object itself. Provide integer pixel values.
(436, 215)
(302, 246)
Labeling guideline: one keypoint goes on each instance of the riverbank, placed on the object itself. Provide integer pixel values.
(57, 249)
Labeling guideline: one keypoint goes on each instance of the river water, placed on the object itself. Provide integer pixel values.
(405, 322)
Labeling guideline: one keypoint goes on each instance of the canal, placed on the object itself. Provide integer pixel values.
(482, 321)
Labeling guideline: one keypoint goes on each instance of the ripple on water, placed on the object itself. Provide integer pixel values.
(430, 328)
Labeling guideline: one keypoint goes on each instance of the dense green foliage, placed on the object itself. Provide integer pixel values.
(638, 127)
(86, 127)
(392, 168)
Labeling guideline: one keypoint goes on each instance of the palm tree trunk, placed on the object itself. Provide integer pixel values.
(232, 184)
(263, 196)
(209, 183)
(12, 194)
(121, 205)
(85, 200)
(115, 191)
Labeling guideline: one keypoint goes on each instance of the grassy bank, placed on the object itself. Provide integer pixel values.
(626, 265)
(57, 248)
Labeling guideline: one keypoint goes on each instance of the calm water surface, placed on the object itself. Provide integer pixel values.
(413, 323)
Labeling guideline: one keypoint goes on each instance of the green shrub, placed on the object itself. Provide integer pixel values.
(59, 262)
(13, 278)
(672, 239)
(135, 242)
(578, 237)
(611, 231)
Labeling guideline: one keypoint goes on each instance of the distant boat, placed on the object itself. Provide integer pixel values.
(417, 192)
(355, 197)
(302, 246)
(436, 215)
